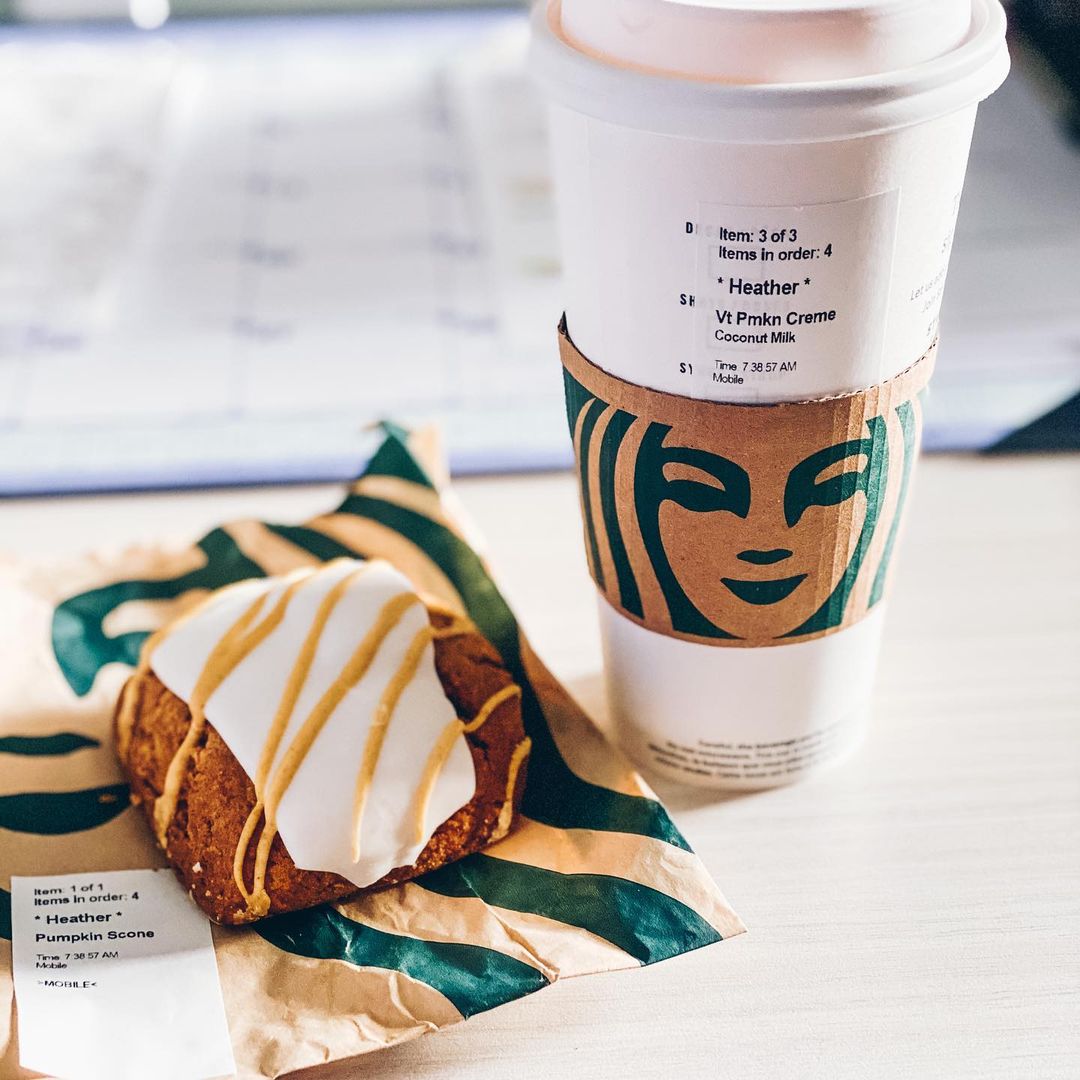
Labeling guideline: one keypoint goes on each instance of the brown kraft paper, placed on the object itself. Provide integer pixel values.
(595, 877)
(741, 525)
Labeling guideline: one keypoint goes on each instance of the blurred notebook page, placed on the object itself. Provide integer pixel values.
(287, 232)
(229, 249)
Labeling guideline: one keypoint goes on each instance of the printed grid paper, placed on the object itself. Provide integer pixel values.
(341, 220)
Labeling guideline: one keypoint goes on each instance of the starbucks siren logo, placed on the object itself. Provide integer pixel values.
(741, 524)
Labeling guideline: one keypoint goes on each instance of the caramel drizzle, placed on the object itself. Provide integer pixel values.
(441, 752)
(271, 784)
(355, 669)
(506, 814)
(380, 724)
(293, 687)
(237, 643)
(269, 797)
(125, 721)
(271, 790)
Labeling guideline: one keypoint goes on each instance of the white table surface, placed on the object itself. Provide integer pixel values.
(915, 913)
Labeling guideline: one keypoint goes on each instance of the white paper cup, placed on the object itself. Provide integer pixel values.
(757, 203)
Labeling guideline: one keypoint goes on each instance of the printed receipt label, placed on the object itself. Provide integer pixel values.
(115, 977)
(785, 294)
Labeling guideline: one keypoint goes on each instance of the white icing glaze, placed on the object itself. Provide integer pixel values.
(315, 818)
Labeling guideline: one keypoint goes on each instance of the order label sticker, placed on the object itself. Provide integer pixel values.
(787, 294)
(115, 977)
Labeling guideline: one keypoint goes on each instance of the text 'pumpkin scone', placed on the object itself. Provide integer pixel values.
(298, 739)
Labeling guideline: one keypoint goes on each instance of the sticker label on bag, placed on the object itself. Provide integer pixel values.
(115, 977)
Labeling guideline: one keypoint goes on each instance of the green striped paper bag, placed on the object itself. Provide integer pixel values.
(596, 879)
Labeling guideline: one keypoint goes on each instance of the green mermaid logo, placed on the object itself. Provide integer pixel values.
(741, 525)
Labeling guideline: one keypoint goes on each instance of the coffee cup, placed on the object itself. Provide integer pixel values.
(757, 204)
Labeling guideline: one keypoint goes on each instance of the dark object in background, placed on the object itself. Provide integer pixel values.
(1052, 27)
(1057, 430)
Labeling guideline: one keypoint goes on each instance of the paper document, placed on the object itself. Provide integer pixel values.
(115, 979)
(230, 249)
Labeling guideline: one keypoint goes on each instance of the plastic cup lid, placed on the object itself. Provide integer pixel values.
(769, 70)
(768, 41)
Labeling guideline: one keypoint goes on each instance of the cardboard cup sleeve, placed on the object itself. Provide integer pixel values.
(742, 525)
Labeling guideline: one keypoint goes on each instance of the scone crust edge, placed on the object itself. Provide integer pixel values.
(216, 794)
